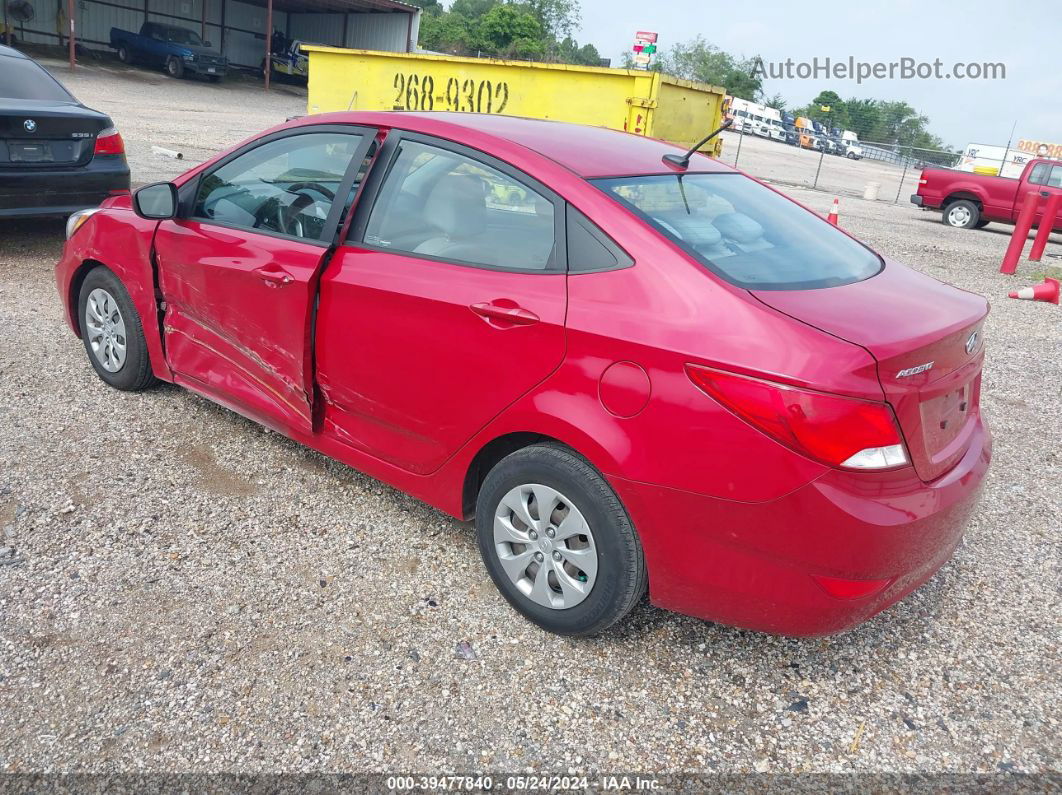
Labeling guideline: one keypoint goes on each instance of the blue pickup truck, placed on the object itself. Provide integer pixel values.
(177, 50)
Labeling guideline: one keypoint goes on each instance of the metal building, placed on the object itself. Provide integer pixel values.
(237, 27)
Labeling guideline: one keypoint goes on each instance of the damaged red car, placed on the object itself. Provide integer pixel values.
(636, 371)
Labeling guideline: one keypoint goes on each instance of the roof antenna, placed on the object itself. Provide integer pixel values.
(682, 162)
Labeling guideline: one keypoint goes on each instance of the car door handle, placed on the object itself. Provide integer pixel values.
(514, 315)
(274, 276)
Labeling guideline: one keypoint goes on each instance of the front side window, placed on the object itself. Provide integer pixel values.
(745, 232)
(285, 186)
(441, 204)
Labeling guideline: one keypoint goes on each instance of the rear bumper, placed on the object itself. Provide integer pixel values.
(753, 565)
(36, 192)
(916, 200)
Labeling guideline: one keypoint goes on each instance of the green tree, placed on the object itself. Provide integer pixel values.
(446, 32)
(777, 102)
(558, 18)
(472, 9)
(539, 29)
(569, 51)
(510, 30)
(864, 116)
(698, 60)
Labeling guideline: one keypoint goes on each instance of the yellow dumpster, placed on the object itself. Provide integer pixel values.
(648, 103)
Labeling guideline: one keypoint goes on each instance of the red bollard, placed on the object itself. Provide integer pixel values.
(1021, 231)
(1047, 222)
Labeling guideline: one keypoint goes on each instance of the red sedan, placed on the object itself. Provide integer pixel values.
(633, 372)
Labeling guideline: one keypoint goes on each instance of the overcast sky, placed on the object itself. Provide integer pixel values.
(1026, 37)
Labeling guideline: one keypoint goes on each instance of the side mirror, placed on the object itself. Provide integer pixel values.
(156, 202)
(207, 44)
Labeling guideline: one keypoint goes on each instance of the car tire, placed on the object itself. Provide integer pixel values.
(570, 583)
(174, 67)
(851, 156)
(112, 333)
(124, 55)
(961, 214)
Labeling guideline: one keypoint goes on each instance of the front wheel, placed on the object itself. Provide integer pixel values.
(174, 67)
(557, 541)
(962, 214)
(112, 333)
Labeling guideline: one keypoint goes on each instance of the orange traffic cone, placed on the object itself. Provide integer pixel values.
(832, 217)
(1048, 291)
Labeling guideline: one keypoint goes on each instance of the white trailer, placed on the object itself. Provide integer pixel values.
(994, 160)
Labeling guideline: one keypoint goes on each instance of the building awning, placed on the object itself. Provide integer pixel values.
(335, 6)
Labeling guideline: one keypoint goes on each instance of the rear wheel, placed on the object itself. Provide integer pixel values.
(174, 67)
(124, 55)
(112, 333)
(962, 214)
(557, 541)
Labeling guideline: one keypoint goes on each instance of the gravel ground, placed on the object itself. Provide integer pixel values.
(181, 589)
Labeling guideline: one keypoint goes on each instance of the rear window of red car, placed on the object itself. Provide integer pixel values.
(746, 233)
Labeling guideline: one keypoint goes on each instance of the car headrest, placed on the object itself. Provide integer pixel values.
(738, 227)
(456, 206)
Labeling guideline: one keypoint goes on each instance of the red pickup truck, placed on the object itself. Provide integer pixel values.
(969, 201)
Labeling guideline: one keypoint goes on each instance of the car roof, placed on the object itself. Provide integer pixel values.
(587, 151)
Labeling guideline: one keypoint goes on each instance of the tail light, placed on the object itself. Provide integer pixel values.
(109, 142)
(837, 431)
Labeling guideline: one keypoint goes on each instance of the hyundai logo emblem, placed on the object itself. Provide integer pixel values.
(971, 343)
(30, 125)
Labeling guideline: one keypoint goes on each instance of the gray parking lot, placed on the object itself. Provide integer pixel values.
(182, 589)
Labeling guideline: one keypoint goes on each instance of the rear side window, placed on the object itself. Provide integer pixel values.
(745, 232)
(440, 204)
(21, 78)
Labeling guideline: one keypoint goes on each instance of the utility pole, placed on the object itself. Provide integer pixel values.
(70, 22)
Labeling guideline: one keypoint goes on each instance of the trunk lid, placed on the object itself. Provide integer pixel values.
(926, 339)
(39, 134)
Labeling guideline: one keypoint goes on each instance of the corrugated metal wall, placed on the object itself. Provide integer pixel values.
(245, 25)
(317, 28)
(388, 32)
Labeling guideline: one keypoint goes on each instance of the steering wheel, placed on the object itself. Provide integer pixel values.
(298, 187)
(288, 216)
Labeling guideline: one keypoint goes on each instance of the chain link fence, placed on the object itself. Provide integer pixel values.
(875, 171)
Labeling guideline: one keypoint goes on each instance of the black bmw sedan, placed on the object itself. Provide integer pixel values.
(56, 155)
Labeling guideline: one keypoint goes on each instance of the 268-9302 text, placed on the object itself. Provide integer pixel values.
(418, 92)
